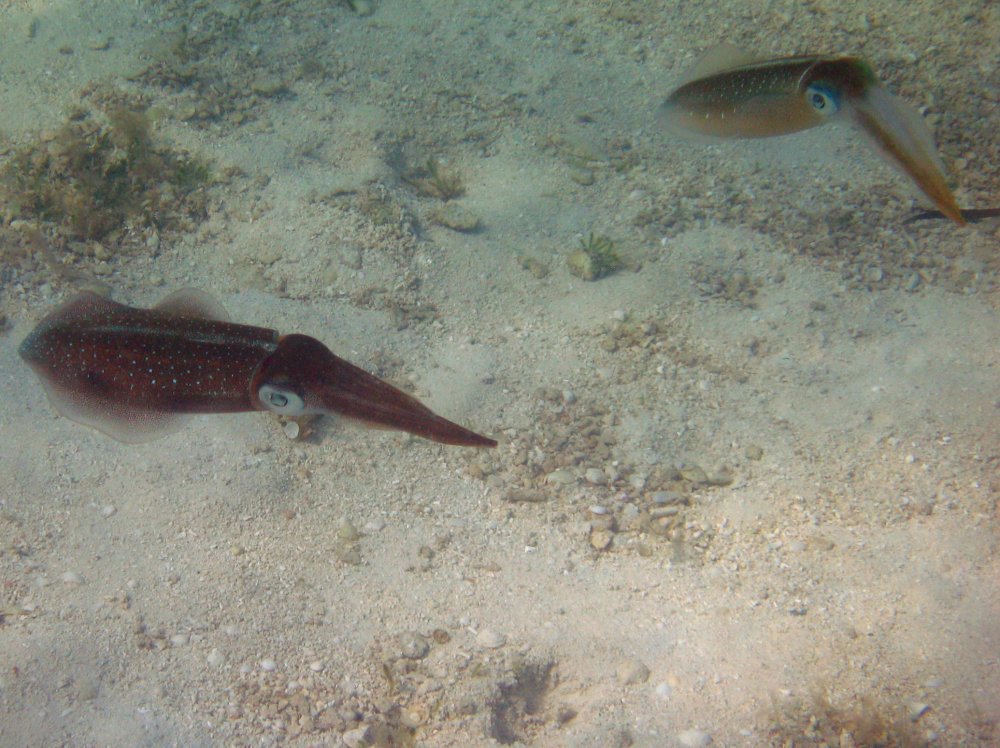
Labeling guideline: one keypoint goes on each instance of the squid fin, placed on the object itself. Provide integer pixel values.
(193, 302)
(718, 58)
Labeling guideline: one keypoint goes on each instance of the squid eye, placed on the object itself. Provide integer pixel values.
(822, 100)
(281, 400)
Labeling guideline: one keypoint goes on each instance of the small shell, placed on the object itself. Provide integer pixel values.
(561, 477)
(693, 473)
(414, 715)
(490, 639)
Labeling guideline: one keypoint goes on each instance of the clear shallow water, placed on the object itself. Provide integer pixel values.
(795, 438)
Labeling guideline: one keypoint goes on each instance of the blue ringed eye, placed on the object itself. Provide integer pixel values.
(822, 100)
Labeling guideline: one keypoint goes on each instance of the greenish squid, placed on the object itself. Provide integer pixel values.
(728, 95)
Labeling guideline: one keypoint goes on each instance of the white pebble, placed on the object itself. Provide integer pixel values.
(107, 510)
(663, 690)
(374, 525)
(316, 666)
(216, 658)
(179, 640)
(71, 577)
(268, 665)
(490, 639)
(694, 738)
(595, 475)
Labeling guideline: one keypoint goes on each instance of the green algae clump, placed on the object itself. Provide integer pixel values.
(435, 180)
(98, 171)
(595, 258)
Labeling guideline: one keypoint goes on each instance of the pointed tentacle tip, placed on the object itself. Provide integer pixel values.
(435, 428)
(462, 437)
(898, 133)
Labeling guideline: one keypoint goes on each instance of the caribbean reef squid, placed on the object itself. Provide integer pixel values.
(137, 374)
(730, 95)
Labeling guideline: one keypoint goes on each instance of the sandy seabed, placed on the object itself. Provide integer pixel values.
(746, 487)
